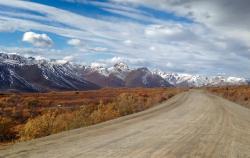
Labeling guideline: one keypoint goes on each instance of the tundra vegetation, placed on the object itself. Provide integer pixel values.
(238, 94)
(25, 116)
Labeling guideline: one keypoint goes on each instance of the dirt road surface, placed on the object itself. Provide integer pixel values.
(194, 124)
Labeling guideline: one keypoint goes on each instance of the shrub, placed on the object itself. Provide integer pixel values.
(38, 127)
(5, 128)
(13, 100)
(125, 104)
(63, 122)
(81, 117)
(129, 104)
(38, 122)
(76, 92)
(170, 95)
(32, 103)
(238, 94)
(104, 113)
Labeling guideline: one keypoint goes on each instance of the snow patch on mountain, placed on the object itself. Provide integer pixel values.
(67, 74)
(198, 80)
(120, 70)
(29, 74)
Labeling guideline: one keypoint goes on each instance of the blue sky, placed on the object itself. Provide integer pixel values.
(174, 36)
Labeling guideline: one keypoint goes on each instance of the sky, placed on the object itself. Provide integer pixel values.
(206, 37)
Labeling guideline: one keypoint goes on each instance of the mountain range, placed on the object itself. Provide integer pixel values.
(18, 73)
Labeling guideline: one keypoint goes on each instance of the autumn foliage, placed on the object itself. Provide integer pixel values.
(42, 114)
(238, 94)
(5, 128)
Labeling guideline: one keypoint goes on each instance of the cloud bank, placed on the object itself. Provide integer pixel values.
(191, 36)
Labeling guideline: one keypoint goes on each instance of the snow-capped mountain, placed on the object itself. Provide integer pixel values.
(120, 75)
(119, 70)
(28, 74)
(199, 81)
(104, 77)
(143, 77)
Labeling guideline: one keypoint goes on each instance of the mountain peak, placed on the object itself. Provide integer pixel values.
(121, 66)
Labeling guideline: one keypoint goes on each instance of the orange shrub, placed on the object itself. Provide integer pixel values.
(39, 127)
(238, 94)
(38, 114)
(104, 113)
(5, 128)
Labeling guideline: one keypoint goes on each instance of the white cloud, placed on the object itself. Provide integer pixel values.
(134, 62)
(75, 42)
(163, 30)
(169, 65)
(127, 42)
(85, 48)
(97, 65)
(68, 58)
(60, 62)
(64, 60)
(152, 48)
(115, 60)
(38, 40)
(98, 49)
(40, 57)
